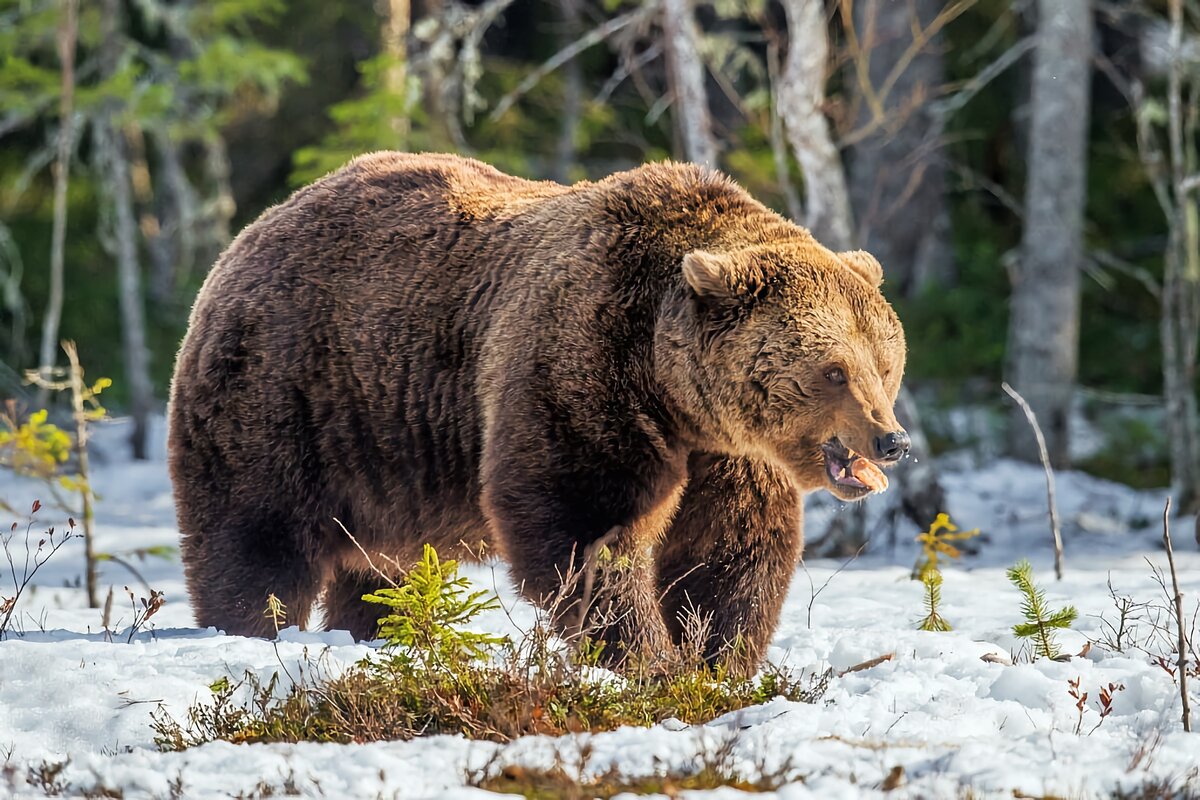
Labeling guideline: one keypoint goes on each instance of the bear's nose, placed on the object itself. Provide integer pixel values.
(892, 446)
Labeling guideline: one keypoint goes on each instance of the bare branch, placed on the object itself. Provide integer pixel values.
(589, 39)
(1177, 596)
(1050, 497)
(948, 105)
(1111, 261)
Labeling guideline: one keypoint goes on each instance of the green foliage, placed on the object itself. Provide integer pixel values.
(427, 612)
(363, 123)
(1040, 622)
(931, 577)
(434, 678)
(180, 73)
(34, 448)
(961, 329)
(38, 449)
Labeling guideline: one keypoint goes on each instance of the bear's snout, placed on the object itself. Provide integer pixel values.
(892, 446)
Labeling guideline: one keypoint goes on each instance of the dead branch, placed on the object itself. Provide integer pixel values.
(874, 662)
(589, 39)
(591, 560)
(370, 563)
(948, 105)
(1045, 456)
(1178, 597)
(625, 69)
(876, 98)
(686, 77)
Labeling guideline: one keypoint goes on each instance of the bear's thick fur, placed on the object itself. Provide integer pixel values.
(428, 350)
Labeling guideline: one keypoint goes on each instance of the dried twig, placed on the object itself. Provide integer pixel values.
(874, 662)
(1178, 597)
(814, 592)
(591, 558)
(370, 563)
(79, 415)
(1045, 456)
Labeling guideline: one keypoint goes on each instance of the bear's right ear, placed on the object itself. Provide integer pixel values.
(864, 265)
(707, 274)
(716, 276)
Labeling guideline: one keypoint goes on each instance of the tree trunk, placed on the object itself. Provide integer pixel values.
(1180, 324)
(395, 45)
(801, 99)
(173, 253)
(68, 33)
(897, 176)
(687, 75)
(121, 240)
(1043, 336)
(566, 152)
(114, 163)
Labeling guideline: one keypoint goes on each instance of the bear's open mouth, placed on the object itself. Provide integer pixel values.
(837, 464)
(847, 469)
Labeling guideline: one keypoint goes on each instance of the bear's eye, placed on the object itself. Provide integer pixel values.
(836, 376)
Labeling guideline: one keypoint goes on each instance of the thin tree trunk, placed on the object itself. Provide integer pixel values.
(566, 151)
(779, 150)
(687, 75)
(87, 497)
(133, 321)
(68, 33)
(1180, 324)
(112, 159)
(1043, 337)
(395, 44)
(221, 205)
(802, 100)
(897, 175)
(173, 254)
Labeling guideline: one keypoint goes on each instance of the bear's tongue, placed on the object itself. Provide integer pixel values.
(839, 471)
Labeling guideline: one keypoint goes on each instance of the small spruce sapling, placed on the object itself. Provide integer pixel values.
(931, 576)
(427, 611)
(1040, 622)
(935, 543)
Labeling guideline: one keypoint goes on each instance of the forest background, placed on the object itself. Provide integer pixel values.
(1025, 170)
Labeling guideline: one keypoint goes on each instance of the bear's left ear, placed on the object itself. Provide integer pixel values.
(864, 265)
(717, 276)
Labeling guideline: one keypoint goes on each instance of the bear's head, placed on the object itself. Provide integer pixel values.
(790, 353)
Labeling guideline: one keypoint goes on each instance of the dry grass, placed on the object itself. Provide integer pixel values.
(434, 677)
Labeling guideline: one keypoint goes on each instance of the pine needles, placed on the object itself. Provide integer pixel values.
(1040, 622)
(931, 577)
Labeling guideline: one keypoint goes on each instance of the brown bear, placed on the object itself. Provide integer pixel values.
(428, 350)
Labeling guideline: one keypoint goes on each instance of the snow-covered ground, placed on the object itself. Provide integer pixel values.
(958, 725)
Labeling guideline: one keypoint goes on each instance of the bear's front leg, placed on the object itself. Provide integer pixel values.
(593, 574)
(728, 558)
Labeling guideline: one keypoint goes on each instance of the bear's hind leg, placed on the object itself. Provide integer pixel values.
(345, 609)
(728, 558)
(230, 575)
